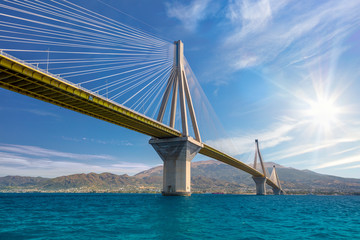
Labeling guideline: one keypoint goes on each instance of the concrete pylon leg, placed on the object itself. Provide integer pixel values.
(177, 154)
(277, 191)
(260, 185)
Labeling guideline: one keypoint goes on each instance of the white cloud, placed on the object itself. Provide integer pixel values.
(293, 140)
(99, 141)
(41, 113)
(246, 61)
(35, 161)
(253, 15)
(352, 159)
(264, 29)
(268, 138)
(47, 168)
(309, 139)
(12, 159)
(42, 152)
(299, 149)
(190, 15)
(352, 167)
(346, 150)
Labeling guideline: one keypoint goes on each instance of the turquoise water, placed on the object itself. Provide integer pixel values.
(151, 216)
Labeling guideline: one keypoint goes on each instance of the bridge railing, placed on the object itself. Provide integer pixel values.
(56, 76)
(2, 52)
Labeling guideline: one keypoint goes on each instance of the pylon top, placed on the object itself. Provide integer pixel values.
(178, 54)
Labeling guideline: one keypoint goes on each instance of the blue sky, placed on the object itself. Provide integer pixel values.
(284, 72)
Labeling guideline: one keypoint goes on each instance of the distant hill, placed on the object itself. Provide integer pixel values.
(207, 176)
(10, 181)
(292, 180)
(97, 181)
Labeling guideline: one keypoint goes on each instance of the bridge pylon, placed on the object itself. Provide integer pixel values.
(259, 181)
(275, 178)
(179, 85)
(177, 152)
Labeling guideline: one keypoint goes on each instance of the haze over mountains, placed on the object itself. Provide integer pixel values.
(207, 177)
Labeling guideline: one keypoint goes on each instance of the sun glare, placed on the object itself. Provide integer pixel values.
(323, 112)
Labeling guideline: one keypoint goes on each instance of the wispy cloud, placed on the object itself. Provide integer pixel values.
(99, 141)
(42, 152)
(49, 168)
(298, 150)
(346, 150)
(310, 141)
(41, 113)
(264, 29)
(293, 145)
(351, 167)
(38, 112)
(36, 161)
(190, 15)
(271, 137)
(252, 16)
(342, 161)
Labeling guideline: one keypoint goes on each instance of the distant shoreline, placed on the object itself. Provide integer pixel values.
(207, 177)
(195, 193)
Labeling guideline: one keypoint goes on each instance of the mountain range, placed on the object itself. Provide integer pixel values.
(206, 177)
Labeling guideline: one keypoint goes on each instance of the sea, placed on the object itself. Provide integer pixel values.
(201, 216)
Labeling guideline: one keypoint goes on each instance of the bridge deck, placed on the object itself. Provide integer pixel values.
(26, 79)
(22, 78)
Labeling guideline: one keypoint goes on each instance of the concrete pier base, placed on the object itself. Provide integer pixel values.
(177, 154)
(277, 191)
(260, 185)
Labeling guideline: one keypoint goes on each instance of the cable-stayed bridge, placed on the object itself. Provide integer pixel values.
(118, 74)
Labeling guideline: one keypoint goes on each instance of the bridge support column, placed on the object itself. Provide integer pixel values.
(277, 191)
(177, 154)
(260, 185)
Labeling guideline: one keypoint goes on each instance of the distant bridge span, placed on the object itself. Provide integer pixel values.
(19, 76)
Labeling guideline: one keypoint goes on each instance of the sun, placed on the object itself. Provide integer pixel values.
(323, 112)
